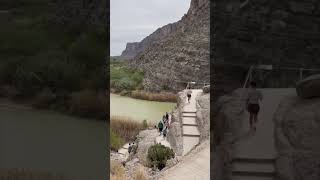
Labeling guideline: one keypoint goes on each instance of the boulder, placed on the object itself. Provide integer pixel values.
(203, 115)
(309, 87)
(206, 89)
(297, 132)
(145, 139)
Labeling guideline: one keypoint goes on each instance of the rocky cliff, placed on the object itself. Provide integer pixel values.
(85, 12)
(282, 33)
(134, 48)
(181, 56)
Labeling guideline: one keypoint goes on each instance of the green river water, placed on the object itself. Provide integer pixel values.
(52, 142)
(138, 110)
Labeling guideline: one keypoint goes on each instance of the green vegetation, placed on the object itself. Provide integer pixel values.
(115, 141)
(158, 155)
(51, 64)
(128, 82)
(124, 79)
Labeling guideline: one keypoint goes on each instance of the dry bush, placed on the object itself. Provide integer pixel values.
(162, 96)
(117, 171)
(125, 128)
(140, 175)
(89, 103)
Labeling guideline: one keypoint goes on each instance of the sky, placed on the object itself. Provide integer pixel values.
(133, 20)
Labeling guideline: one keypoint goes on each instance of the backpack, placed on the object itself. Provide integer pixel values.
(160, 125)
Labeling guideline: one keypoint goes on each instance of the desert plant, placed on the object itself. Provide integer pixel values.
(145, 124)
(88, 103)
(115, 141)
(117, 171)
(125, 128)
(158, 155)
(140, 175)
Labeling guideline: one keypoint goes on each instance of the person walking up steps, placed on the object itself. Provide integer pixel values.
(252, 104)
(189, 92)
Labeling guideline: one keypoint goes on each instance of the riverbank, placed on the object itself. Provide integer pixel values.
(149, 96)
(85, 104)
(124, 130)
(128, 82)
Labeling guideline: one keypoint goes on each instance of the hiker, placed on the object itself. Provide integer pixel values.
(160, 126)
(189, 92)
(167, 116)
(252, 104)
(164, 119)
(164, 132)
(129, 148)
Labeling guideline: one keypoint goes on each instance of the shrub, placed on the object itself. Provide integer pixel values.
(115, 141)
(145, 124)
(162, 96)
(158, 155)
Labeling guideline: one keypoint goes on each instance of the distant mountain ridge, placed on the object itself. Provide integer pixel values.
(134, 48)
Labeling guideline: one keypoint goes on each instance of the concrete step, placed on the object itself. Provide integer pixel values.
(123, 151)
(253, 167)
(194, 112)
(251, 178)
(253, 160)
(126, 146)
(189, 143)
(253, 174)
(189, 115)
(189, 121)
(190, 131)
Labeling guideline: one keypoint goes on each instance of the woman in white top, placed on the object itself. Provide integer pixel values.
(254, 96)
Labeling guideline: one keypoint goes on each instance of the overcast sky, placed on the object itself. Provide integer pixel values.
(133, 20)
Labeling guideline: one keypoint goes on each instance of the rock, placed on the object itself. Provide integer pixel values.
(309, 87)
(145, 139)
(134, 48)
(206, 89)
(302, 7)
(276, 33)
(203, 115)
(297, 125)
(187, 44)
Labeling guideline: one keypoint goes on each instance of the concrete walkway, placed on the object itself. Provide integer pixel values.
(254, 153)
(190, 130)
(196, 166)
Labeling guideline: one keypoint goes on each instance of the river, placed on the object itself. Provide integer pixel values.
(52, 142)
(137, 109)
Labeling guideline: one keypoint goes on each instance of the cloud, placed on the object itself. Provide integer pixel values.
(132, 20)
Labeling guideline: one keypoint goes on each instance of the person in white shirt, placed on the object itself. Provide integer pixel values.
(252, 103)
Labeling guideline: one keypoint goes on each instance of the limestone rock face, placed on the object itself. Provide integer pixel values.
(134, 48)
(175, 134)
(284, 34)
(309, 87)
(297, 132)
(203, 115)
(145, 139)
(89, 12)
(180, 57)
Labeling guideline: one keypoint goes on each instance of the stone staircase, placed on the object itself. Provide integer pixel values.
(190, 130)
(124, 150)
(253, 169)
